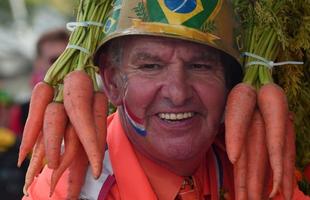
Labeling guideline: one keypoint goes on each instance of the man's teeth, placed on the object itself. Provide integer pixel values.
(176, 116)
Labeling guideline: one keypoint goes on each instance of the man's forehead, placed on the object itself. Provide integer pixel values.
(142, 40)
(149, 47)
(160, 40)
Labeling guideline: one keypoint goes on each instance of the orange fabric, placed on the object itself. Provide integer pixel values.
(202, 178)
(298, 195)
(114, 193)
(126, 166)
(167, 185)
(228, 176)
(40, 187)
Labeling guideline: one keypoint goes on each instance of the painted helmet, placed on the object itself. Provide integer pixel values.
(210, 22)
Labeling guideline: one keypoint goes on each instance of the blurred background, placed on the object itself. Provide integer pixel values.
(22, 23)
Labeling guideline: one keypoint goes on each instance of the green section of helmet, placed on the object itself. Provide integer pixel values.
(210, 22)
(112, 21)
(155, 13)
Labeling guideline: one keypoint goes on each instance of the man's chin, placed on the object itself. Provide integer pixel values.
(180, 152)
(181, 160)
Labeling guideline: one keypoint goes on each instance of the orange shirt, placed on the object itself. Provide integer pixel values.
(166, 184)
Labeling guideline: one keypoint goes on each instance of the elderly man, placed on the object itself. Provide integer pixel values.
(167, 66)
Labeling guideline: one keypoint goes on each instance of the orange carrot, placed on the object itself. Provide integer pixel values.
(240, 174)
(78, 100)
(77, 173)
(289, 160)
(72, 145)
(42, 95)
(240, 106)
(268, 181)
(36, 163)
(272, 103)
(100, 109)
(55, 122)
(257, 157)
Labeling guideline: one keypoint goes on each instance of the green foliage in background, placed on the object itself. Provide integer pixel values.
(67, 8)
(296, 79)
(290, 22)
(5, 12)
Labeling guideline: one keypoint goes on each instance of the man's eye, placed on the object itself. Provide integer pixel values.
(200, 66)
(149, 66)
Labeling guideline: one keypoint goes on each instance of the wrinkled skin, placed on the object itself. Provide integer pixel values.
(159, 76)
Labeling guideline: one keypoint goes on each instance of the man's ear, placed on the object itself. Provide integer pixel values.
(112, 84)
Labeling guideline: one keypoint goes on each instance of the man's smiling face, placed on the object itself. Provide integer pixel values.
(173, 89)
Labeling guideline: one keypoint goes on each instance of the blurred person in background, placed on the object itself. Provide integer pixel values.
(48, 48)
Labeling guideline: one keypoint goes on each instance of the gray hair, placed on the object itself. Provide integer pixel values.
(114, 50)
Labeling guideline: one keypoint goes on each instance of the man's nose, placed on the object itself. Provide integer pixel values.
(177, 88)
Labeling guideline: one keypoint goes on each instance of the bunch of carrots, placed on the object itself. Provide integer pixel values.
(257, 118)
(69, 106)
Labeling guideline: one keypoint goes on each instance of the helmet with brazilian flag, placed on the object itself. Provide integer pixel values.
(209, 22)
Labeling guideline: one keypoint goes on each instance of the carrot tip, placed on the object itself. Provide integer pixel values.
(96, 168)
(21, 158)
(51, 193)
(232, 159)
(25, 191)
(274, 191)
(19, 163)
(96, 172)
(96, 175)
